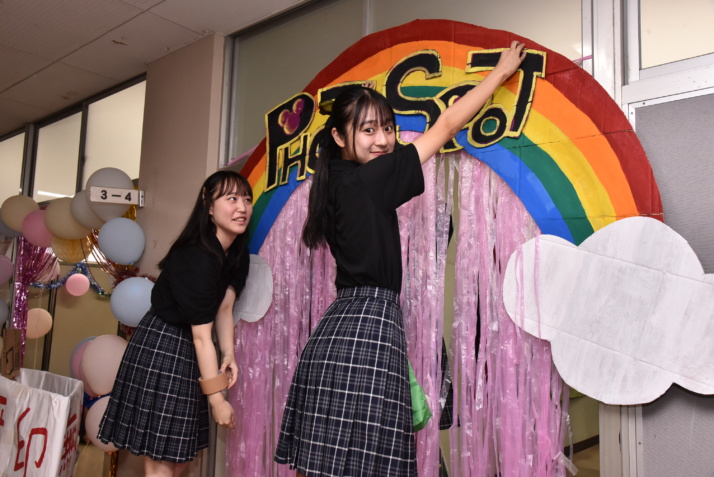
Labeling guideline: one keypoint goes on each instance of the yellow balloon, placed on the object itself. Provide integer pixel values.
(15, 209)
(71, 251)
(60, 221)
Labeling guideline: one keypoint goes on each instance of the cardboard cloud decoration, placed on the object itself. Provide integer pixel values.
(256, 297)
(628, 313)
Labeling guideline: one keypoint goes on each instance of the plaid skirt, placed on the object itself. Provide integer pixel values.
(156, 407)
(348, 411)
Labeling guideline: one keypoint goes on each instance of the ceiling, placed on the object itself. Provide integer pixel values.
(54, 54)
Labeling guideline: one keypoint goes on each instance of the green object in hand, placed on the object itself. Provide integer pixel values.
(420, 408)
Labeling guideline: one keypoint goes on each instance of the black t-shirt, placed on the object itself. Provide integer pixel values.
(364, 231)
(193, 283)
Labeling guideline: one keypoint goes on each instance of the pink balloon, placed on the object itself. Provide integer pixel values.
(100, 362)
(35, 230)
(76, 358)
(39, 323)
(7, 269)
(75, 364)
(77, 284)
(92, 421)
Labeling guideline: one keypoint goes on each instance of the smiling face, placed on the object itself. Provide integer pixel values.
(231, 214)
(373, 137)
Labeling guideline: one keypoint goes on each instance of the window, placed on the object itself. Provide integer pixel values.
(11, 166)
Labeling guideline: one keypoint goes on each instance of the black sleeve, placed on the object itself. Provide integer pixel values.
(395, 178)
(195, 285)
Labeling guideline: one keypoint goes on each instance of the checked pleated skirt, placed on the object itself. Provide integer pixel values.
(348, 411)
(156, 407)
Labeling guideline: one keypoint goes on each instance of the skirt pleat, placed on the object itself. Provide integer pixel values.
(156, 407)
(348, 411)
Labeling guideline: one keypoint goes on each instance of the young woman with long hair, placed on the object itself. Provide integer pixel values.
(348, 411)
(170, 373)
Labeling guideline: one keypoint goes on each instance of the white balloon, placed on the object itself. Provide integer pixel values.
(131, 299)
(82, 212)
(122, 241)
(112, 178)
(256, 297)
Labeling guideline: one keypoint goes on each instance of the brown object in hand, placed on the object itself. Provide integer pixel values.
(213, 385)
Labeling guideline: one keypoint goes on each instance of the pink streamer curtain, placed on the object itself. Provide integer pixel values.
(31, 263)
(510, 405)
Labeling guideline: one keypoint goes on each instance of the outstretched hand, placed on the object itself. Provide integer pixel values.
(511, 59)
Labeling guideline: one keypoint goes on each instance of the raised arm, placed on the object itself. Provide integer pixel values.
(455, 117)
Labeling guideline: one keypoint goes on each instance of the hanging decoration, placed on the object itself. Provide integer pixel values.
(79, 267)
(31, 263)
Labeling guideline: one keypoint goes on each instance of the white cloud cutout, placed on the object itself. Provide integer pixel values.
(256, 297)
(628, 312)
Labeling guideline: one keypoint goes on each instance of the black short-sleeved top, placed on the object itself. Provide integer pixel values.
(193, 283)
(363, 229)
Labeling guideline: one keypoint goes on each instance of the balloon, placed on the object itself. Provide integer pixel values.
(15, 209)
(35, 230)
(256, 297)
(77, 284)
(39, 323)
(4, 313)
(60, 221)
(82, 212)
(113, 178)
(7, 231)
(7, 269)
(75, 359)
(71, 251)
(92, 421)
(100, 362)
(122, 241)
(131, 299)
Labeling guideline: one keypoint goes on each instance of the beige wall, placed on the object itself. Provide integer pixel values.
(180, 142)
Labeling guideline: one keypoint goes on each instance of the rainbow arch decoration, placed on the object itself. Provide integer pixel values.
(550, 132)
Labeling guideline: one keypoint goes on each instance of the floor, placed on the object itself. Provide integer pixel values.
(91, 462)
(588, 462)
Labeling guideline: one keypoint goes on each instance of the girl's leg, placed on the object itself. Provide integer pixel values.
(159, 468)
(178, 468)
